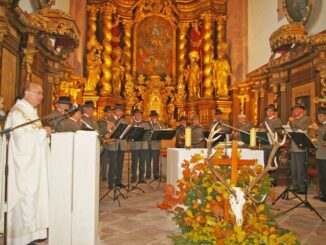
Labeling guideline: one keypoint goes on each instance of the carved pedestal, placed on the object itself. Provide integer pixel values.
(226, 108)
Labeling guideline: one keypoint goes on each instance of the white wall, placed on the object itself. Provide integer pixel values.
(32, 5)
(263, 21)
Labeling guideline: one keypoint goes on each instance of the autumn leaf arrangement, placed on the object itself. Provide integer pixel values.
(198, 205)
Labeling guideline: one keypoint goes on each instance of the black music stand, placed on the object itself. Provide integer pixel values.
(163, 134)
(118, 133)
(302, 141)
(261, 138)
(133, 134)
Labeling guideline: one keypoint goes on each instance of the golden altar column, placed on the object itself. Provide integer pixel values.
(221, 20)
(92, 16)
(183, 27)
(127, 48)
(208, 47)
(107, 11)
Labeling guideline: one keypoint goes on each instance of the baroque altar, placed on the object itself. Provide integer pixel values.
(159, 55)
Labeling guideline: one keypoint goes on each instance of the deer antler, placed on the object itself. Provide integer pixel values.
(269, 166)
(211, 138)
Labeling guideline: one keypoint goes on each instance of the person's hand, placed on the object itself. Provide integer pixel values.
(48, 131)
(314, 126)
(291, 119)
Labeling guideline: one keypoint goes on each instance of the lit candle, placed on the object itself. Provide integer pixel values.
(253, 137)
(188, 137)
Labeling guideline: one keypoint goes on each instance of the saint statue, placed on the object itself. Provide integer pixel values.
(94, 64)
(193, 75)
(117, 72)
(221, 72)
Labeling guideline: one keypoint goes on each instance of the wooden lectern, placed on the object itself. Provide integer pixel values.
(74, 188)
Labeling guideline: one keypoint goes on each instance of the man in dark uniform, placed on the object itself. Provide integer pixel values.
(116, 150)
(105, 126)
(298, 122)
(321, 151)
(88, 120)
(61, 107)
(70, 124)
(197, 133)
(180, 133)
(218, 119)
(155, 148)
(274, 124)
(139, 150)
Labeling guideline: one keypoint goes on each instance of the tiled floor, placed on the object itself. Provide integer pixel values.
(139, 221)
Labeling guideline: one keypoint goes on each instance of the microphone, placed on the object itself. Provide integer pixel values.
(73, 108)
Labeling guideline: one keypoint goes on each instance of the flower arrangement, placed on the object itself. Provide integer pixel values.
(199, 203)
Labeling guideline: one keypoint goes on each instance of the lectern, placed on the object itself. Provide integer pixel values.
(74, 188)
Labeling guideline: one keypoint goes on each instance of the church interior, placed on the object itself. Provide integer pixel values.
(180, 58)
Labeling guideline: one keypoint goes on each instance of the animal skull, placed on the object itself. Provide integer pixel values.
(237, 202)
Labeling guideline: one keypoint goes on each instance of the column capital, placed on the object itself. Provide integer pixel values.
(283, 86)
(108, 9)
(92, 9)
(221, 18)
(183, 26)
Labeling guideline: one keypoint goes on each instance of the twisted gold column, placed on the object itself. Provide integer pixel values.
(92, 15)
(127, 42)
(220, 29)
(107, 11)
(208, 47)
(183, 27)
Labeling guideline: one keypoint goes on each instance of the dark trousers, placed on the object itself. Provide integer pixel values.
(104, 162)
(267, 152)
(321, 170)
(155, 157)
(298, 170)
(116, 159)
(140, 156)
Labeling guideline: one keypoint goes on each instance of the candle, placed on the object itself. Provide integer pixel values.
(253, 137)
(188, 137)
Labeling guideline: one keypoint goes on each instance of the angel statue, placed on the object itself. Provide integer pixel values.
(193, 75)
(94, 63)
(221, 72)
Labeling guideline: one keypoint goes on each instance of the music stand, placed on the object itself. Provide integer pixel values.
(133, 134)
(262, 138)
(163, 134)
(302, 141)
(118, 133)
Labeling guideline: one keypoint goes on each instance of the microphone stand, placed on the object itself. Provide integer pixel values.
(7, 134)
(242, 131)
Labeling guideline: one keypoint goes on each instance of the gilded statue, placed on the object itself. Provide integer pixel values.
(94, 63)
(193, 75)
(221, 72)
(129, 92)
(117, 72)
(170, 110)
(28, 61)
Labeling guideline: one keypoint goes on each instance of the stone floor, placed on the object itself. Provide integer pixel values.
(139, 221)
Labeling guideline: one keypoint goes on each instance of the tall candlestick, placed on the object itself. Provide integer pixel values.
(188, 137)
(253, 137)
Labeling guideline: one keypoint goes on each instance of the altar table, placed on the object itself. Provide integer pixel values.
(176, 156)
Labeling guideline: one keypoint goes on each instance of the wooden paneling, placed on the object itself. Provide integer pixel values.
(8, 77)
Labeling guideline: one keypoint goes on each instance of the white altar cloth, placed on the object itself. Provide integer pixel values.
(176, 156)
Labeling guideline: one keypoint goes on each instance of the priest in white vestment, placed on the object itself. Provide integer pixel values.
(28, 191)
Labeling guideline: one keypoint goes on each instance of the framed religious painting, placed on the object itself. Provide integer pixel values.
(297, 10)
(303, 95)
(154, 47)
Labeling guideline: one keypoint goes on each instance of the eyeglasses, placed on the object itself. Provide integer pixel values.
(36, 92)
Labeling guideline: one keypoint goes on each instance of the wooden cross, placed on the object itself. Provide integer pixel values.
(234, 162)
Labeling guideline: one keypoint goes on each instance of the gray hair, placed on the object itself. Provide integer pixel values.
(242, 116)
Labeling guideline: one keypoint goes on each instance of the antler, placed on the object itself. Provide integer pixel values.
(269, 166)
(211, 138)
